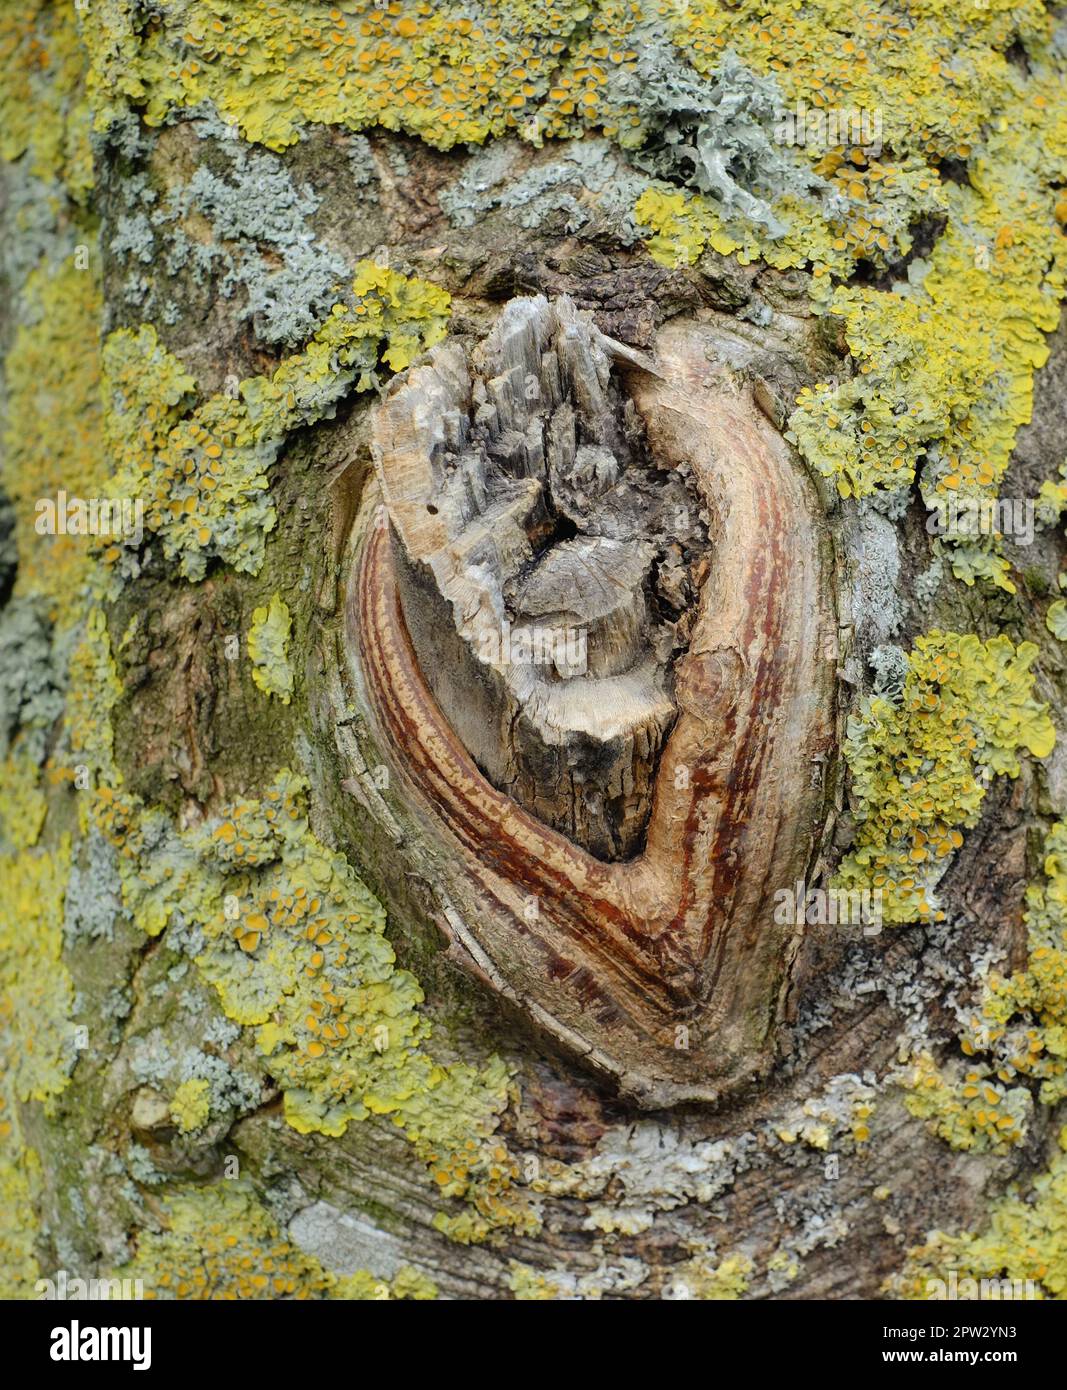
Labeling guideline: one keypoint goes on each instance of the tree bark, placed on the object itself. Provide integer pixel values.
(581, 857)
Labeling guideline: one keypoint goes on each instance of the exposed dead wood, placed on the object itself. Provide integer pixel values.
(666, 971)
(532, 528)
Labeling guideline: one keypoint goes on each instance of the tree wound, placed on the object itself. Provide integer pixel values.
(548, 567)
(679, 940)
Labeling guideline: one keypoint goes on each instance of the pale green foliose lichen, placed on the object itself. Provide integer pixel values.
(201, 471)
(1056, 619)
(220, 1242)
(1025, 1242)
(921, 765)
(268, 646)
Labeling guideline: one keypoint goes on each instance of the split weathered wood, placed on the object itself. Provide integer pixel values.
(531, 522)
(605, 843)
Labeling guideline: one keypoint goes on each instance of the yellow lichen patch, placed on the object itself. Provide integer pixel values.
(834, 1118)
(1016, 1033)
(201, 473)
(52, 428)
(23, 806)
(529, 1285)
(966, 1107)
(268, 643)
(680, 226)
(1052, 497)
(220, 1242)
(462, 74)
(920, 767)
(1018, 1030)
(946, 367)
(401, 315)
(36, 993)
(44, 115)
(930, 71)
(446, 74)
(191, 1105)
(295, 947)
(20, 1180)
(1025, 1242)
(94, 690)
(706, 1278)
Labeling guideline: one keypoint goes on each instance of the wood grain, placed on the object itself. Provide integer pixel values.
(666, 972)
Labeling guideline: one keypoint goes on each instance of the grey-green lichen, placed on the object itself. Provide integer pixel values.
(32, 678)
(718, 135)
(262, 247)
(586, 180)
(92, 904)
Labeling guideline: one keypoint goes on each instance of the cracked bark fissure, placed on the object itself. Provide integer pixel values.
(618, 957)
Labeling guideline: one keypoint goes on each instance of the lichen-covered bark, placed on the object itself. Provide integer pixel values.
(245, 1052)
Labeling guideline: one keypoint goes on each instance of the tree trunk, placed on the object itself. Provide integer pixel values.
(492, 816)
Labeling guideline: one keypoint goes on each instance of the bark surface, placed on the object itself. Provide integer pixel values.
(580, 849)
